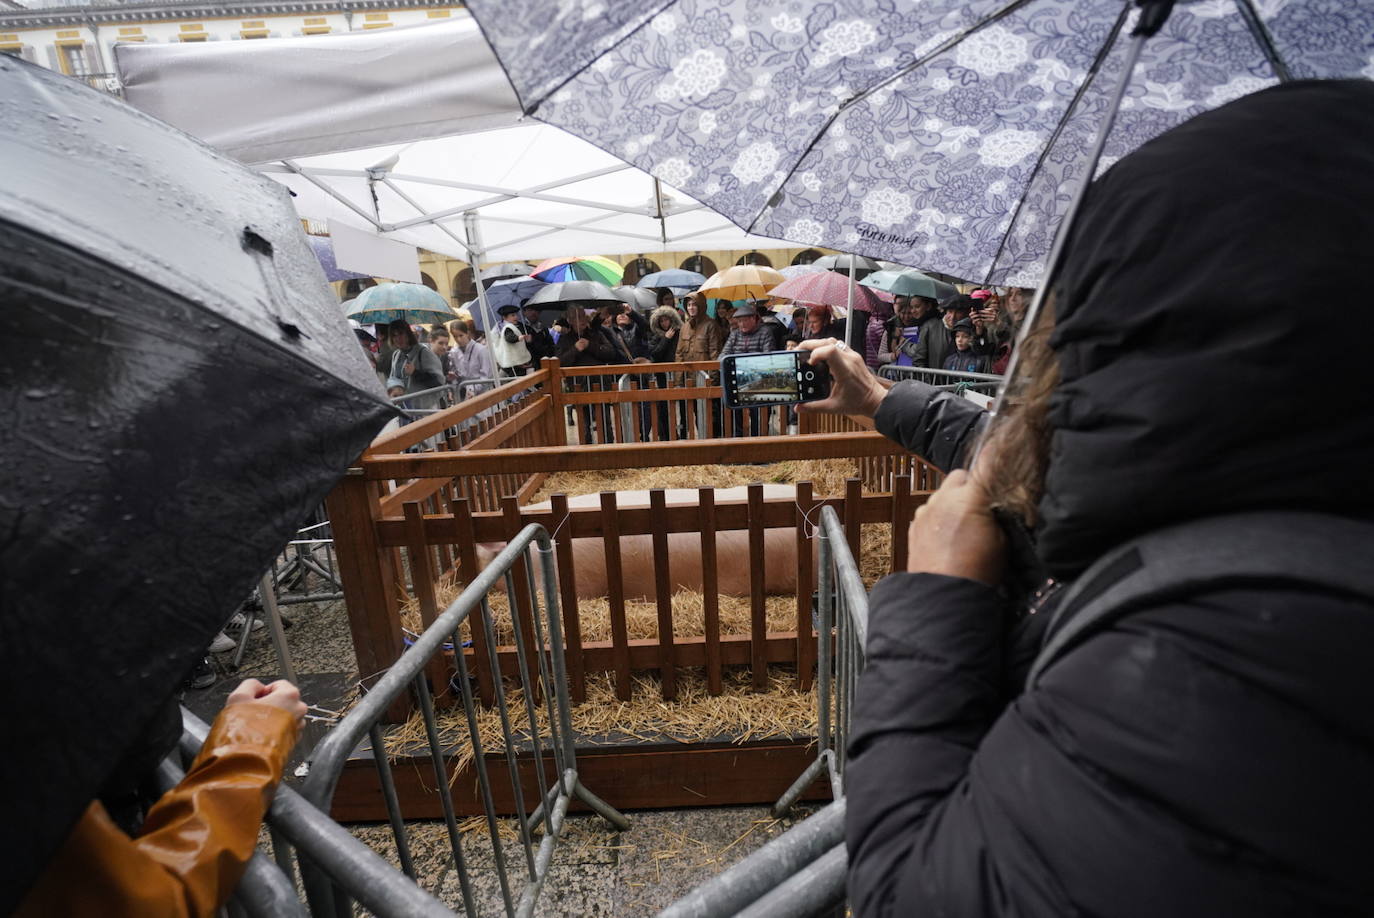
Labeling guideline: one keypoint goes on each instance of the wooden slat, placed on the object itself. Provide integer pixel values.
(467, 566)
(710, 589)
(615, 588)
(664, 599)
(614, 397)
(806, 644)
(417, 431)
(853, 531)
(627, 777)
(620, 369)
(365, 571)
(735, 650)
(588, 522)
(422, 582)
(758, 611)
(901, 519)
(567, 591)
(628, 456)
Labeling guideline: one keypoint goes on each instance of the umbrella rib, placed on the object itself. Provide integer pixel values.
(1264, 39)
(776, 197)
(645, 19)
(1082, 90)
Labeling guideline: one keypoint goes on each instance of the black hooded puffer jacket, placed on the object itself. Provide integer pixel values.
(1208, 755)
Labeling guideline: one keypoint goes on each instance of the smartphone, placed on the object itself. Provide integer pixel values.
(773, 378)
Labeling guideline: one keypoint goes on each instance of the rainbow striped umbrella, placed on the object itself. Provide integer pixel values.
(589, 267)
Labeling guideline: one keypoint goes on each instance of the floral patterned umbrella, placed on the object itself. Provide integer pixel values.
(947, 133)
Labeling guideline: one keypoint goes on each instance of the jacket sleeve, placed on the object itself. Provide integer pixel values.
(930, 690)
(196, 840)
(936, 425)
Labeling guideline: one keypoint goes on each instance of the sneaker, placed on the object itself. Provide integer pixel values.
(223, 643)
(236, 621)
(202, 676)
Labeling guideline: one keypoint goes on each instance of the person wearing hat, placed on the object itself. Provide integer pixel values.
(510, 343)
(936, 339)
(541, 343)
(964, 358)
(749, 336)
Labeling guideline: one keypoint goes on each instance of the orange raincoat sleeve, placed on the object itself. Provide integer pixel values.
(195, 842)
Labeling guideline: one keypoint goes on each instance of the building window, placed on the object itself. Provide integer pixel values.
(428, 282)
(806, 257)
(74, 61)
(700, 264)
(464, 290)
(639, 267)
(755, 258)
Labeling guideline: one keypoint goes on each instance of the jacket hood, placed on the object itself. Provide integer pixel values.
(669, 311)
(1185, 326)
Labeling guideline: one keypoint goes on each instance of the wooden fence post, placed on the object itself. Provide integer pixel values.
(369, 581)
(557, 432)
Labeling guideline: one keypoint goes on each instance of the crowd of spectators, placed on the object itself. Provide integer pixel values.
(966, 333)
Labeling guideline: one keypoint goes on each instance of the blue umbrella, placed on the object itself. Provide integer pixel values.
(949, 133)
(415, 303)
(513, 291)
(324, 251)
(676, 278)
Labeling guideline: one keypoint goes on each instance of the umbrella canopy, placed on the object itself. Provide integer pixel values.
(830, 288)
(638, 297)
(909, 283)
(513, 291)
(951, 133)
(741, 282)
(792, 271)
(590, 267)
(857, 264)
(676, 278)
(324, 251)
(575, 292)
(186, 393)
(415, 303)
(506, 270)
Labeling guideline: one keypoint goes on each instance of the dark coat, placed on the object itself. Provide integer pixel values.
(934, 344)
(1204, 754)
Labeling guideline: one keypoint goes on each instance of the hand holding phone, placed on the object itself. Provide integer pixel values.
(772, 378)
(854, 390)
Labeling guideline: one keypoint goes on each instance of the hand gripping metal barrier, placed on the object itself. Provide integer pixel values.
(982, 383)
(802, 872)
(330, 886)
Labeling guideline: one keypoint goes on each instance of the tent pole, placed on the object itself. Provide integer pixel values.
(475, 256)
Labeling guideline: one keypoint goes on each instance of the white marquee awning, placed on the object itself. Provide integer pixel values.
(402, 131)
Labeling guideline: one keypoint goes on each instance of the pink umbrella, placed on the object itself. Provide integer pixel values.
(829, 288)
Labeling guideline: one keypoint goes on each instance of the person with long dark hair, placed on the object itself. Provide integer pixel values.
(1126, 671)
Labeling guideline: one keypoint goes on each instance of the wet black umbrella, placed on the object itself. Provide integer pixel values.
(180, 391)
(590, 292)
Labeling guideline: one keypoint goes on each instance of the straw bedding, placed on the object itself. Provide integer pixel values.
(739, 713)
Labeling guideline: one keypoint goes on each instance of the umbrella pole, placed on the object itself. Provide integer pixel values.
(1152, 18)
(475, 255)
(853, 338)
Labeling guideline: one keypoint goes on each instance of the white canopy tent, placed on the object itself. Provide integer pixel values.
(404, 132)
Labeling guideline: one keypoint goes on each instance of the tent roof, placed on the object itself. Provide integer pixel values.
(402, 131)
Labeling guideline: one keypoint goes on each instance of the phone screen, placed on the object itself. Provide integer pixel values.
(776, 378)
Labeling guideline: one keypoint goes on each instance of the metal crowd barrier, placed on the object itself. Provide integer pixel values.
(336, 869)
(983, 383)
(329, 890)
(802, 872)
